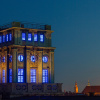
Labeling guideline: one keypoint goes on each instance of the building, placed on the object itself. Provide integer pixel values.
(27, 59)
(92, 90)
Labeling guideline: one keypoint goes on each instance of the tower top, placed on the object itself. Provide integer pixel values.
(76, 88)
(88, 83)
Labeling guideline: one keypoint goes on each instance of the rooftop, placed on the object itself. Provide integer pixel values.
(91, 89)
(26, 25)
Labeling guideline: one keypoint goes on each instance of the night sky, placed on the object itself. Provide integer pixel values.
(76, 25)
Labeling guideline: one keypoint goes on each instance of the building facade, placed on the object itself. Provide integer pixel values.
(27, 57)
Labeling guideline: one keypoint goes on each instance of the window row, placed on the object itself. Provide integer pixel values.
(3, 59)
(21, 58)
(5, 38)
(33, 58)
(21, 76)
(41, 37)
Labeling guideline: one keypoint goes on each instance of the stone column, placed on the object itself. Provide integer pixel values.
(7, 65)
(40, 66)
(52, 68)
(28, 66)
(14, 66)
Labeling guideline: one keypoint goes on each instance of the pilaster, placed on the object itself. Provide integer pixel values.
(28, 66)
(14, 64)
(40, 66)
(52, 67)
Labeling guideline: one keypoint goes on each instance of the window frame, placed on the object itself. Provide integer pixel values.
(33, 75)
(4, 59)
(42, 38)
(31, 37)
(21, 76)
(0, 39)
(35, 40)
(3, 38)
(7, 37)
(19, 58)
(23, 37)
(3, 76)
(10, 75)
(34, 58)
(43, 59)
(10, 36)
(45, 75)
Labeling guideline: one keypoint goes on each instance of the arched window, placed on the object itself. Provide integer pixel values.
(20, 58)
(33, 58)
(45, 59)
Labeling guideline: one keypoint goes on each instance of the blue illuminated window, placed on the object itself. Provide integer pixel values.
(0, 39)
(10, 37)
(10, 75)
(35, 37)
(45, 76)
(33, 58)
(0, 59)
(23, 36)
(41, 38)
(3, 59)
(20, 75)
(3, 76)
(6, 37)
(20, 58)
(45, 59)
(33, 76)
(10, 58)
(3, 38)
(29, 37)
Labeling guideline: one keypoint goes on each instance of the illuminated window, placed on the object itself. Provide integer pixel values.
(41, 38)
(0, 39)
(3, 59)
(10, 58)
(29, 36)
(33, 58)
(35, 37)
(45, 76)
(10, 75)
(20, 75)
(10, 37)
(3, 76)
(45, 59)
(23, 36)
(0, 59)
(6, 37)
(3, 38)
(33, 75)
(20, 58)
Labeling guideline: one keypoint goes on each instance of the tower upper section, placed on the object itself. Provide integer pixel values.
(17, 33)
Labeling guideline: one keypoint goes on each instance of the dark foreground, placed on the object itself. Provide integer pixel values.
(57, 98)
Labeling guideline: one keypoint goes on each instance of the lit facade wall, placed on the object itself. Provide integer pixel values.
(17, 53)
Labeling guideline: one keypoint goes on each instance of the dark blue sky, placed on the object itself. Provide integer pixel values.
(76, 25)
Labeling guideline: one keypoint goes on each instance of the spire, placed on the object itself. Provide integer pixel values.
(88, 83)
(76, 88)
